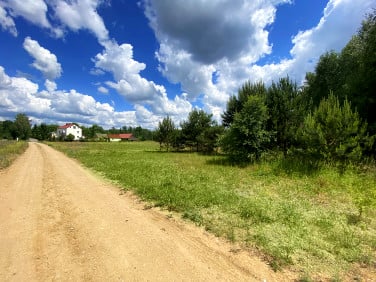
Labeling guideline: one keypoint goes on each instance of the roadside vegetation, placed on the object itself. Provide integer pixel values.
(322, 224)
(9, 151)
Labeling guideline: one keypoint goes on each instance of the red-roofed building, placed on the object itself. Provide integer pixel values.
(121, 137)
(69, 128)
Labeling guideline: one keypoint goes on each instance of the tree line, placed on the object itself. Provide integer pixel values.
(21, 128)
(140, 133)
(199, 133)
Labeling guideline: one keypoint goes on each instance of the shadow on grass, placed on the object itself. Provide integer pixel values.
(295, 164)
(186, 152)
(168, 152)
(225, 161)
(291, 164)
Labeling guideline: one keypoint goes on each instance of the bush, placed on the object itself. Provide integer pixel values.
(247, 136)
(333, 132)
(69, 137)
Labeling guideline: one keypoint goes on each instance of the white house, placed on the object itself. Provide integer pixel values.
(69, 128)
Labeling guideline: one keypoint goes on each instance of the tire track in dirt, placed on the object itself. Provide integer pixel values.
(61, 222)
(58, 237)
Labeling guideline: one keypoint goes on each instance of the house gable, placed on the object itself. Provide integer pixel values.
(69, 128)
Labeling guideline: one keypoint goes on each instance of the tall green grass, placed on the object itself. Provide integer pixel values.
(9, 151)
(322, 222)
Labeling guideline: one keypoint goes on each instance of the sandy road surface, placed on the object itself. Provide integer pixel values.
(59, 222)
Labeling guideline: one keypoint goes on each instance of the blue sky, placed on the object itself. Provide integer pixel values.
(128, 63)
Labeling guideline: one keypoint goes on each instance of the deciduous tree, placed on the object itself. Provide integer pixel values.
(6, 129)
(247, 136)
(22, 128)
(236, 103)
(194, 129)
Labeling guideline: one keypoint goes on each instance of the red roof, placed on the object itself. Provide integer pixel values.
(67, 125)
(121, 136)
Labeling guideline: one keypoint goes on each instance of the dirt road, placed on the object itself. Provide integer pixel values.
(60, 222)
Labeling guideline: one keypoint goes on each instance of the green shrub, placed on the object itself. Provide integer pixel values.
(333, 132)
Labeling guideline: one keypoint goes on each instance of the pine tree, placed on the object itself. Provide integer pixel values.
(334, 132)
(165, 133)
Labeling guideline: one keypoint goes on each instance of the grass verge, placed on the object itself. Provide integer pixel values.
(9, 151)
(321, 224)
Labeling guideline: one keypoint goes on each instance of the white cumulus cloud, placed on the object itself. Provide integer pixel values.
(44, 60)
(213, 30)
(59, 106)
(118, 60)
(75, 15)
(332, 32)
(50, 85)
(208, 50)
(6, 22)
(17, 95)
(102, 90)
(81, 14)
(34, 11)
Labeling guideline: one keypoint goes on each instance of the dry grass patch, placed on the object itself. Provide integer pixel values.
(10, 150)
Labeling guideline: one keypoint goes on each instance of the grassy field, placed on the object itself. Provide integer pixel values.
(321, 224)
(9, 151)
